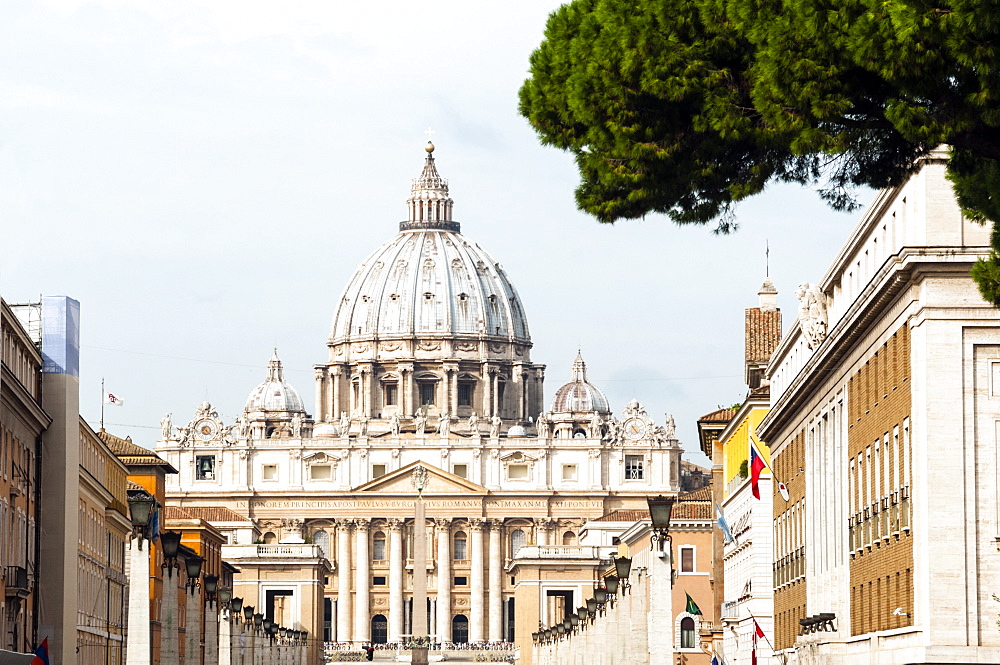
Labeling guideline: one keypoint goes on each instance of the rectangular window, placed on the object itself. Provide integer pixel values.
(517, 471)
(633, 467)
(460, 470)
(687, 559)
(391, 391)
(460, 549)
(321, 472)
(269, 472)
(461, 581)
(378, 470)
(378, 549)
(465, 394)
(378, 581)
(427, 394)
(205, 467)
(569, 471)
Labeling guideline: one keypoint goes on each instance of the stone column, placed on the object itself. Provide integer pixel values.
(320, 374)
(193, 627)
(407, 372)
(212, 632)
(495, 380)
(496, 582)
(343, 581)
(487, 392)
(169, 635)
(138, 638)
(444, 578)
(334, 393)
(362, 620)
(396, 580)
(225, 630)
(476, 633)
(541, 532)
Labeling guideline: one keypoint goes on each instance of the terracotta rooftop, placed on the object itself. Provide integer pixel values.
(719, 416)
(763, 333)
(624, 516)
(132, 454)
(214, 514)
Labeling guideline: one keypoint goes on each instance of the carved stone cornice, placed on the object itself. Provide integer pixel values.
(361, 524)
(394, 524)
(478, 524)
(442, 524)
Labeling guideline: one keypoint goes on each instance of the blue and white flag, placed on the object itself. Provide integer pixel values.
(728, 535)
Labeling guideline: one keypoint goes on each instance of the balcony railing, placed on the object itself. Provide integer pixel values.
(17, 582)
(563, 552)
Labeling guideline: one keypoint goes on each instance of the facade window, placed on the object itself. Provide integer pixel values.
(269, 472)
(569, 538)
(321, 472)
(461, 581)
(427, 393)
(391, 394)
(378, 581)
(378, 470)
(687, 633)
(459, 629)
(517, 540)
(460, 543)
(465, 394)
(569, 471)
(205, 467)
(356, 394)
(322, 540)
(687, 559)
(633, 467)
(517, 471)
(460, 470)
(378, 547)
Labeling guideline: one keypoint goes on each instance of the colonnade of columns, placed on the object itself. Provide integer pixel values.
(354, 607)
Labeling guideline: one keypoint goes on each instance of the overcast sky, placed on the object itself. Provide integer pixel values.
(204, 177)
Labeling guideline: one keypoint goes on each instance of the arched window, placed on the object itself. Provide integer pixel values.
(460, 543)
(378, 546)
(569, 538)
(380, 629)
(269, 538)
(460, 629)
(517, 539)
(687, 633)
(322, 539)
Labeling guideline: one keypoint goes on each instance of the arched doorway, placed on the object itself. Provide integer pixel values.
(380, 629)
(460, 629)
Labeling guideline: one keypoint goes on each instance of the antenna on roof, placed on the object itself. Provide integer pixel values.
(767, 258)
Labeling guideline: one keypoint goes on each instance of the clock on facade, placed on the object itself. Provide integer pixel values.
(205, 429)
(635, 428)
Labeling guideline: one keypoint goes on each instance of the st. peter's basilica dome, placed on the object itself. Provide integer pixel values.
(429, 280)
(274, 394)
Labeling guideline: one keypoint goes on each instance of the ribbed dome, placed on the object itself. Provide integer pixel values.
(429, 279)
(579, 394)
(274, 394)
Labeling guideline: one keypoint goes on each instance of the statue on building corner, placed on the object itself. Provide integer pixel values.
(394, 425)
(812, 313)
(166, 426)
(474, 423)
(345, 423)
(420, 422)
(444, 424)
(542, 426)
(495, 426)
(670, 427)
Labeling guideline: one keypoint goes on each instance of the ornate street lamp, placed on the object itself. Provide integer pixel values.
(258, 621)
(581, 613)
(267, 623)
(140, 509)
(170, 542)
(659, 512)
(623, 566)
(193, 564)
(211, 587)
(592, 606)
(248, 616)
(611, 582)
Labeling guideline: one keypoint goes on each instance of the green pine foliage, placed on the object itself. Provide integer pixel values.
(686, 107)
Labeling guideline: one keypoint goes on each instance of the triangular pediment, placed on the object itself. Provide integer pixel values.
(438, 481)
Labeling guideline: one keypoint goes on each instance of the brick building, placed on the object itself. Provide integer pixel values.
(885, 401)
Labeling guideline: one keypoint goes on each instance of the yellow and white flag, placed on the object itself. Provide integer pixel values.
(111, 398)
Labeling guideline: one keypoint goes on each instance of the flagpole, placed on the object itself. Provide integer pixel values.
(102, 402)
(773, 650)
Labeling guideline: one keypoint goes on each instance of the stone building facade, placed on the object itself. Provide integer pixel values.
(883, 428)
(427, 364)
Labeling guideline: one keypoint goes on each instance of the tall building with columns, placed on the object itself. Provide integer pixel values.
(428, 363)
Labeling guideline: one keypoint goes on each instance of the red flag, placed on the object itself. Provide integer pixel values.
(42, 653)
(757, 633)
(756, 466)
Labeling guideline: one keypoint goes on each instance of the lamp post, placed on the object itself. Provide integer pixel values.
(170, 542)
(660, 509)
(211, 587)
(139, 648)
(193, 564)
(623, 566)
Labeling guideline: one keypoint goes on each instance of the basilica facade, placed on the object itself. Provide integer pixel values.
(428, 363)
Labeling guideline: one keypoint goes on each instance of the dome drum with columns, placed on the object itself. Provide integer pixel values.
(429, 325)
(427, 365)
